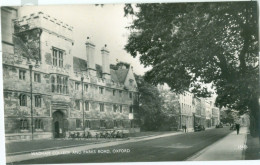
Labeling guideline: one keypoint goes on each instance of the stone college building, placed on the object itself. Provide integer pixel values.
(49, 92)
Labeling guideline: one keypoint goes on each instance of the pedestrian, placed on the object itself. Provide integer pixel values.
(185, 128)
(237, 128)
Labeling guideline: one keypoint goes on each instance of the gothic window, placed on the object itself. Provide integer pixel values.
(24, 125)
(57, 57)
(54, 57)
(23, 100)
(38, 124)
(121, 109)
(87, 124)
(59, 86)
(77, 104)
(37, 101)
(22, 74)
(114, 108)
(37, 77)
(77, 85)
(86, 106)
(60, 59)
(114, 92)
(85, 87)
(65, 85)
(130, 95)
(102, 123)
(53, 84)
(115, 123)
(78, 123)
(101, 90)
(101, 107)
(131, 109)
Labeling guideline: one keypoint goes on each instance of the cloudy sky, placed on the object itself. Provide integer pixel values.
(104, 25)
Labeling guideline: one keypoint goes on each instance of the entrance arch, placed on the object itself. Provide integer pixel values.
(59, 130)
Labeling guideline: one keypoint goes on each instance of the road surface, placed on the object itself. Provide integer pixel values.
(171, 148)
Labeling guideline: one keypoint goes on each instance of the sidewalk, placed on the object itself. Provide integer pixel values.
(231, 147)
(60, 151)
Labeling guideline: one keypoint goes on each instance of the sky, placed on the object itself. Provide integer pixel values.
(104, 25)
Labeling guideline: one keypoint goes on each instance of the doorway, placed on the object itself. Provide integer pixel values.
(58, 124)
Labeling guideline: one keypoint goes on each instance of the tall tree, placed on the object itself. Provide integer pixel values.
(149, 112)
(189, 44)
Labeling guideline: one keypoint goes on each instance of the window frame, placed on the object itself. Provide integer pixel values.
(101, 107)
(86, 105)
(101, 90)
(77, 105)
(22, 73)
(23, 100)
(38, 101)
(37, 77)
(24, 124)
(77, 84)
(121, 109)
(114, 108)
(78, 123)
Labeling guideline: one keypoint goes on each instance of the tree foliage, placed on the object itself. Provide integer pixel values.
(150, 104)
(189, 44)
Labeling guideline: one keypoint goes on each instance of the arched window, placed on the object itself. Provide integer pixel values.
(78, 123)
(24, 125)
(115, 123)
(23, 100)
(87, 124)
(86, 106)
(38, 124)
(53, 84)
(58, 84)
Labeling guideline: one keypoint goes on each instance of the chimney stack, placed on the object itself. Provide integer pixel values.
(90, 50)
(105, 62)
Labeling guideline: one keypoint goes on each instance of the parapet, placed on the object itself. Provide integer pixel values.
(45, 22)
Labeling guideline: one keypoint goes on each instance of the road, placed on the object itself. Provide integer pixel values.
(171, 148)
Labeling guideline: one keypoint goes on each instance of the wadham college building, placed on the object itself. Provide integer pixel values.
(68, 93)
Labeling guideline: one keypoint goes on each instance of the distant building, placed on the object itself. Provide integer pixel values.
(68, 93)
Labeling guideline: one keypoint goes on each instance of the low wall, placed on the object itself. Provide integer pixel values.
(27, 136)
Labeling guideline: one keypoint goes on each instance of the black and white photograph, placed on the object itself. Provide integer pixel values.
(130, 82)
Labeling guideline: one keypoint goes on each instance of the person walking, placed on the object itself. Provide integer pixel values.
(237, 128)
(185, 128)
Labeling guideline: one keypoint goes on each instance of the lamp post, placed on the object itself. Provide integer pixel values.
(82, 78)
(30, 69)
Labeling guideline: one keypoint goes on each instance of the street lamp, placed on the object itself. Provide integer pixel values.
(82, 78)
(30, 69)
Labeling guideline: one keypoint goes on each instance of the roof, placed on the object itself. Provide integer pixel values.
(117, 75)
(121, 75)
(79, 64)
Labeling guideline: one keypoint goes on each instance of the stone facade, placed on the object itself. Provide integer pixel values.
(65, 89)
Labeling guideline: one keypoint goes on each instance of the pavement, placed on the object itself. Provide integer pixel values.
(231, 147)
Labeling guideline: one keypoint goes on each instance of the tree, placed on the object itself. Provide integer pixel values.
(150, 104)
(170, 109)
(190, 44)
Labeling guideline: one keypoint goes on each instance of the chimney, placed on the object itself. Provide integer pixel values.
(105, 62)
(90, 50)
